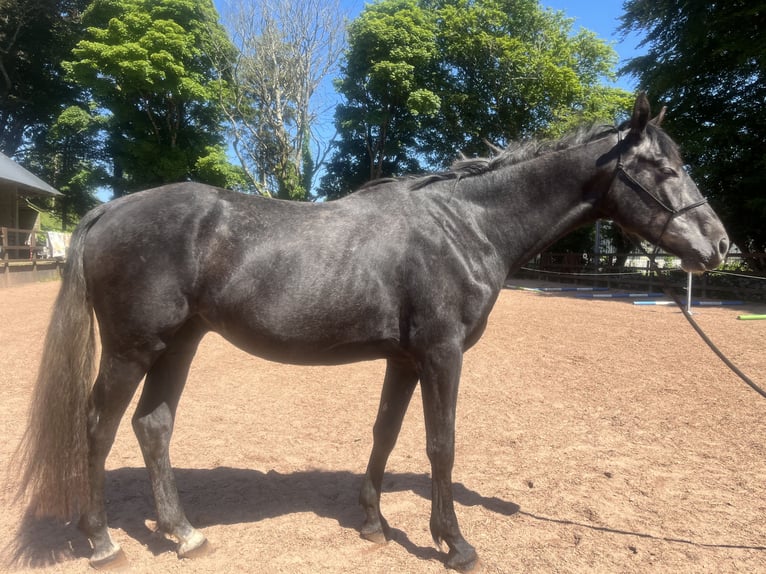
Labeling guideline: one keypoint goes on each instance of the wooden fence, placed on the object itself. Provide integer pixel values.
(21, 258)
(21, 242)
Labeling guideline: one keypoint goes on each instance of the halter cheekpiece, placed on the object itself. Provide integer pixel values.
(619, 171)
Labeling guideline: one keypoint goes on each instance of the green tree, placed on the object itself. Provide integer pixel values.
(705, 61)
(145, 65)
(510, 69)
(385, 75)
(35, 36)
(67, 158)
(425, 80)
(39, 122)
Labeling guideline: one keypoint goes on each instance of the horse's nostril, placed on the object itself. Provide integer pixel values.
(723, 246)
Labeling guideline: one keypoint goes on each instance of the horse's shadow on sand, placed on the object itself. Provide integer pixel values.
(229, 496)
(233, 496)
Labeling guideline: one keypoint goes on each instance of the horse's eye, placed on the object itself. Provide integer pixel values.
(668, 171)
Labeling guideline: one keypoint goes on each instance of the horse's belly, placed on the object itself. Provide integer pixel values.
(298, 352)
(302, 335)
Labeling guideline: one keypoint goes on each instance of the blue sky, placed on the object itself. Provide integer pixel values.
(601, 17)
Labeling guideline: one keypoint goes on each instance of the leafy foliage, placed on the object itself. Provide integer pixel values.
(385, 97)
(71, 163)
(39, 122)
(705, 61)
(424, 80)
(144, 64)
(35, 35)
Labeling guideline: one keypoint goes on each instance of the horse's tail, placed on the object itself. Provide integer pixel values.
(54, 450)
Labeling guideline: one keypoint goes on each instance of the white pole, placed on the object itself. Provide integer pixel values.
(597, 246)
(689, 293)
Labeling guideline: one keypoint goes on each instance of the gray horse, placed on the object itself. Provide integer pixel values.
(405, 269)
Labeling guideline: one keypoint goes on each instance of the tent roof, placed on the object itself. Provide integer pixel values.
(25, 181)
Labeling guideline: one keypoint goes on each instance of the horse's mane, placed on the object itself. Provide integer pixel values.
(516, 152)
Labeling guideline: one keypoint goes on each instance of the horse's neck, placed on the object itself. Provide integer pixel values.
(529, 205)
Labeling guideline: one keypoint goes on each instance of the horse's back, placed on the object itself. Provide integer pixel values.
(278, 278)
(308, 283)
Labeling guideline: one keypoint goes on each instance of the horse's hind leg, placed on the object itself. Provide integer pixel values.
(115, 385)
(398, 387)
(153, 425)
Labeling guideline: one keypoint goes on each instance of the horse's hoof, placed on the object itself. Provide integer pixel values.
(377, 531)
(467, 563)
(113, 561)
(376, 536)
(195, 546)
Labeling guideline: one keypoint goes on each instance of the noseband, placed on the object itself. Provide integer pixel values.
(633, 183)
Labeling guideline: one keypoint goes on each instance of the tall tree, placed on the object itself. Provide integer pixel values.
(39, 122)
(384, 81)
(67, 158)
(706, 61)
(424, 80)
(510, 69)
(35, 36)
(145, 65)
(284, 51)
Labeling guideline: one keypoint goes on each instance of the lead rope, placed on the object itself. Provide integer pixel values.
(668, 290)
(666, 287)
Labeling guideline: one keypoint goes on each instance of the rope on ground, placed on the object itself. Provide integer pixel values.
(573, 274)
(737, 275)
(670, 293)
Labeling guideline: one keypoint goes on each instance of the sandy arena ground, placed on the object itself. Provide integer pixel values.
(592, 436)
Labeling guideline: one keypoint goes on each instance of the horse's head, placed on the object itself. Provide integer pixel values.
(652, 196)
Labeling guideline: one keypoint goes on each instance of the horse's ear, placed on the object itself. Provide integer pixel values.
(657, 121)
(640, 116)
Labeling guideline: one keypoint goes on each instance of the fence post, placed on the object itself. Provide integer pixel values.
(4, 233)
(649, 273)
(689, 292)
(704, 285)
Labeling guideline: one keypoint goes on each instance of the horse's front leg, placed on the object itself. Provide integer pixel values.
(439, 382)
(397, 391)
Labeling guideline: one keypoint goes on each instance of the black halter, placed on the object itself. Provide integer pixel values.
(619, 171)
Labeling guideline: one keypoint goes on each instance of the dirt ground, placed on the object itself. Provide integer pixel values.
(592, 436)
